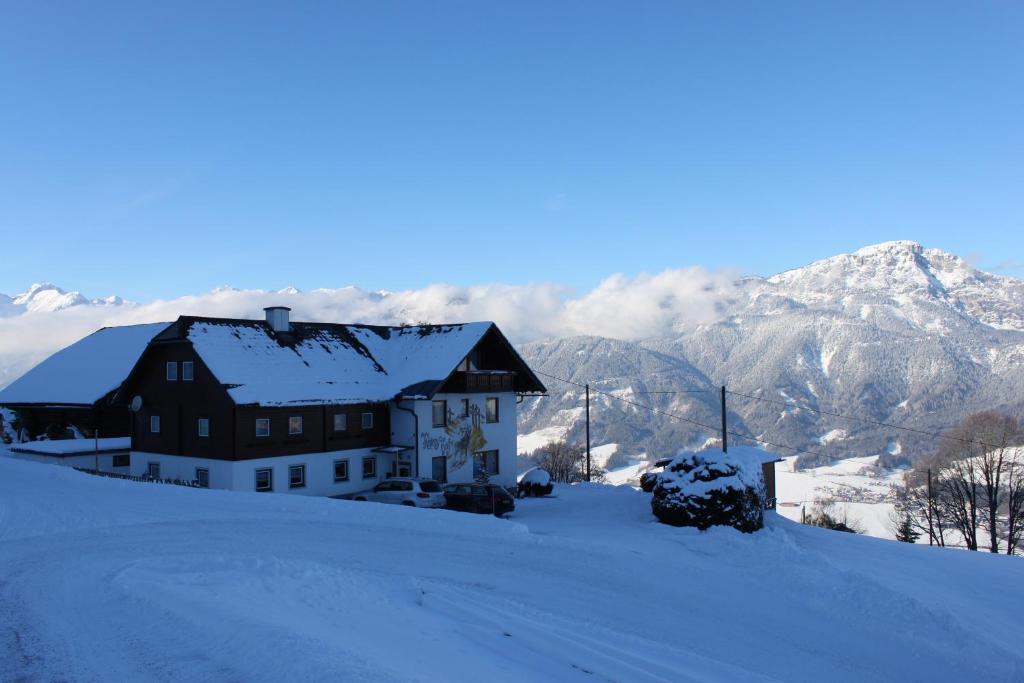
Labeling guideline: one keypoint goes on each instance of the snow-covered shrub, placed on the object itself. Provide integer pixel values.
(711, 488)
(535, 481)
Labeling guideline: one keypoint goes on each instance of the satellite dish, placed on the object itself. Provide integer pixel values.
(136, 404)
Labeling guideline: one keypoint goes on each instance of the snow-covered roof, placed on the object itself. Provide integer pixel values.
(86, 371)
(318, 363)
(74, 446)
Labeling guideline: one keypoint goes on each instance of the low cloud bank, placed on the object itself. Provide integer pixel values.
(620, 307)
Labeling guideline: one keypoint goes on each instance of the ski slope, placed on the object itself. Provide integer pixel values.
(108, 580)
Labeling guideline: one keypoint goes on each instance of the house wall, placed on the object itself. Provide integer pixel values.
(318, 433)
(465, 436)
(106, 461)
(241, 475)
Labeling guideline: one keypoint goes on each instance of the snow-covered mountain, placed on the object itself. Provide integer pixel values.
(47, 298)
(890, 333)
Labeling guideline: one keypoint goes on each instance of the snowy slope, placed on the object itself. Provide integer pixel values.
(111, 580)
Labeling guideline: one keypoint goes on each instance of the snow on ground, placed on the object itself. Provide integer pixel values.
(528, 443)
(862, 496)
(103, 579)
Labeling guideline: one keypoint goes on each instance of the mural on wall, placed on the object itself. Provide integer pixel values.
(463, 436)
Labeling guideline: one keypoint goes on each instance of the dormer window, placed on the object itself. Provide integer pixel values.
(172, 371)
(187, 371)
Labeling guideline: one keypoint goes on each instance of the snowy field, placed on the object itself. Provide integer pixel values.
(107, 580)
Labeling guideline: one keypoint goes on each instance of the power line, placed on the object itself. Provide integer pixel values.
(859, 419)
(684, 419)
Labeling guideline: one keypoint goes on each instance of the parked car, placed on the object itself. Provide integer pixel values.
(485, 498)
(422, 493)
(534, 482)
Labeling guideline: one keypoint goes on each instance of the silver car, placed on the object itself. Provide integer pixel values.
(422, 493)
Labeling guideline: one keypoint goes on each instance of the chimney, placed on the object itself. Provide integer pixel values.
(277, 318)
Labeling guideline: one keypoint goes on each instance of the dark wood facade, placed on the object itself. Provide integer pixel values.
(232, 435)
(112, 420)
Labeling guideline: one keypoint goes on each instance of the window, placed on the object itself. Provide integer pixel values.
(263, 426)
(369, 468)
(439, 468)
(123, 460)
(485, 464)
(203, 477)
(265, 479)
(341, 470)
(295, 424)
(492, 410)
(464, 408)
(204, 427)
(187, 371)
(340, 422)
(296, 476)
(153, 470)
(154, 424)
(440, 413)
(172, 371)
(367, 420)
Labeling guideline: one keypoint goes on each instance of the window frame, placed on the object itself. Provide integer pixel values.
(114, 460)
(154, 421)
(443, 405)
(363, 421)
(487, 410)
(257, 427)
(200, 423)
(153, 467)
(171, 371)
(270, 479)
(372, 461)
(343, 461)
(464, 403)
(301, 423)
(344, 420)
(188, 371)
(200, 471)
(301, 468)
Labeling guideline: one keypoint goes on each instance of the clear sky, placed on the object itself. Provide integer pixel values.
(152, 149)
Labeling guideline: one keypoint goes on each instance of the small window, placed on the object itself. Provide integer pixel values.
(187, 371)
(263, 426)
(265, 479)
(341, 470)
(204, 427)
(296, 476)
(202, 477)
(367, 420)
(464, 408)
(485, 464)
(440, 413)
(172, 371)
(153, 470)
(341, 422)
(295, 424)
(369, 468)
(492, 410)
(123, 460)
(154, 424)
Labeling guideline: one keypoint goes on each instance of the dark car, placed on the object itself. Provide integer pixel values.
(485, 498)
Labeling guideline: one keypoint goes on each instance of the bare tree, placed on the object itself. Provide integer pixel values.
(566, 463)
(1015, 502)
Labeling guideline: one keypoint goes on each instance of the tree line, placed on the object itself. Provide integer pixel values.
(970, 492)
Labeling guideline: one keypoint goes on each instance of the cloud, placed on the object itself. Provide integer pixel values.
(620, 307)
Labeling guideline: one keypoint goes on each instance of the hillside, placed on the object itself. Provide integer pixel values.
(112, 580)
(891, 333)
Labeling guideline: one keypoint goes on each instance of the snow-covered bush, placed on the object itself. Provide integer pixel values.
(535, 481)
(711, 488)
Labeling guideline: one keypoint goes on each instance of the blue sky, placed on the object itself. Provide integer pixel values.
(155, 149)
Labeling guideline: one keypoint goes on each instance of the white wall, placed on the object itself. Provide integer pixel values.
(106, 461)
(500, 436)
(241, 475)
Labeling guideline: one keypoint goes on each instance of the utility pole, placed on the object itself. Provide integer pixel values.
(96, 449)
(588, 431)
(725, 443)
